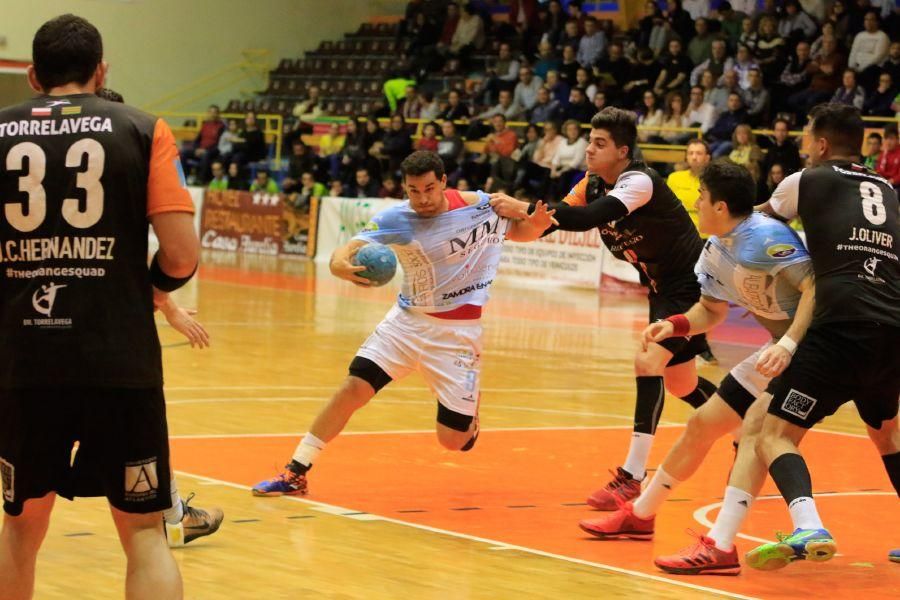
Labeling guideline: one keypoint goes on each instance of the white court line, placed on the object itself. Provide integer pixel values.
(335, 510)
(701, 515)
(213, 436)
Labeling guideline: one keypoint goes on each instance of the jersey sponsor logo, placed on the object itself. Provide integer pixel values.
(798, 404)
(8, 477)
(483, 233)
(141, 480)
(371, 226)
(467, 290)
(44, 302)
(781, 250)
(56, 126)
(870, 264)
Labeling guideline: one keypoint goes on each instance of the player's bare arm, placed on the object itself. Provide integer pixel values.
(341, 264)
(703, 316)
(776, 358)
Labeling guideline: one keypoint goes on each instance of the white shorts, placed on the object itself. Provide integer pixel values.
(446, 352)
(746, 374)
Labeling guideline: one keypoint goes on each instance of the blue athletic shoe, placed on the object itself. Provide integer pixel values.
(803, 544)
(286, 483)
(894, 555)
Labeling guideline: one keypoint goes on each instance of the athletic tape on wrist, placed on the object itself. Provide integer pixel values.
(788, 344)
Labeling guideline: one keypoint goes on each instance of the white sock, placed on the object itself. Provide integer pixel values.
(804, 513)
(308, 450)
(638, 453)
(174, 515)
(657, 491)
(734, 510)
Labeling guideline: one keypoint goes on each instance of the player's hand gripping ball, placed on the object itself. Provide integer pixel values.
(379, 261)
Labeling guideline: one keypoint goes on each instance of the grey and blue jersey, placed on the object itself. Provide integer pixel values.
(448, 260)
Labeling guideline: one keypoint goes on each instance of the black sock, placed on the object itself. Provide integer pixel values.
(298, 467)
(892, 466)
(651, 394)
(704, 390)
(791, 475)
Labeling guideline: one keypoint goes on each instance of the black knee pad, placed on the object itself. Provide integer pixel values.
(452, 419)
(369, 372)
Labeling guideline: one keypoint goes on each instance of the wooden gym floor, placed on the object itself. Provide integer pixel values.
(391, 514)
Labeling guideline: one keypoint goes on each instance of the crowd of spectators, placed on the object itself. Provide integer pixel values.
(691, 69)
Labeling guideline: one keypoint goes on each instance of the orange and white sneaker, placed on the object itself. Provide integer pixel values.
(622, 488)
(620, 524)
(699, 558)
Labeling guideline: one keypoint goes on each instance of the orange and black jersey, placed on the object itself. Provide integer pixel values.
(641, 221)
(79, 177)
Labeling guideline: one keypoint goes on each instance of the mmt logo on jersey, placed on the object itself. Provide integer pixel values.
(487, 232)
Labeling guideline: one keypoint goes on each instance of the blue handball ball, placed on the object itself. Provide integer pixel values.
(379, 261)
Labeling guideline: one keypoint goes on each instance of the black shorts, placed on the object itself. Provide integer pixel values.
(675, 302)
(836, 363)
(123, 446)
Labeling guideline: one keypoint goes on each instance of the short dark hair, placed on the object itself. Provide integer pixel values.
(841, 125)
(66, 49)
(732, 184)
(698, 142)
(422, 162)
(874, 135)
(108, 94)
(620, 124)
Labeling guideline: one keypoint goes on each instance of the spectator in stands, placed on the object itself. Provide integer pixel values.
(428, 141)
(674, 116)
(771, 49)
(679, 20)
(505, 107)
(599, 102)
(396, 88)
(301, 195)
(652, 16)
(661, 34)
(579, 109)
(451, 20)
(469, 34)
(450, 148)
(396, 145)
(219, 181)
(795, 24)
(205, 148)
(568, 161)
(889, 162)
(650, 115)
(577, 15)
(698, 9)
(546, 60)
(429, 108)
(731, 22)
(794, 78)
(613, 69)
(828, 30)
(825, 70)
(556, 22)
(570, 37)
(717, 63)
(783, 150)
(891, 65)
(390, 189)
(568, 68)
(840, 16)
(592, 44)
(719, 135)
(757, 99)
(585, 81)
(873, 150)
(545, 109)
(302, 159)
(463, 185)
(308, 110)
(262, 183)
(236, 181)
(331, 144)
(870, 49)
(535, 174)
(250, 146)
(749, 34)
(363, 186)
(643, 76)
(676, 68)
(699, 48)
(849, 93)
(502, 74)
(423, 40)
(336, 188)
(227, 140)
(456, 109)
(525, 94)
(878, 103)
(685, 184)
(719, 96)
(409, 106)
(774, 176)
(355, 151)
(700, 113)
(815, 9)
(559, 89)
(497, 158)
(745, 151)
(743, 64)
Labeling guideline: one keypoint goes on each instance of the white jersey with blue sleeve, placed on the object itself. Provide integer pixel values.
(758, 265)
(448, 260)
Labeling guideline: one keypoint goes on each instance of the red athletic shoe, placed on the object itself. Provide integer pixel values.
(701, 557)
(622, 488)
(620, 524)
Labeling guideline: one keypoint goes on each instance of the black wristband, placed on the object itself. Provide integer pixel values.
(163, 282)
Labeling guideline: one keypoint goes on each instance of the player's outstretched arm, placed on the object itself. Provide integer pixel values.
(182, 320)
(341, 264)
(776, 358)
(701, 317)
(533, 226)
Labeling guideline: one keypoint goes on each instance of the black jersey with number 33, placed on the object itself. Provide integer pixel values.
(79, 177)
(852, 223)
